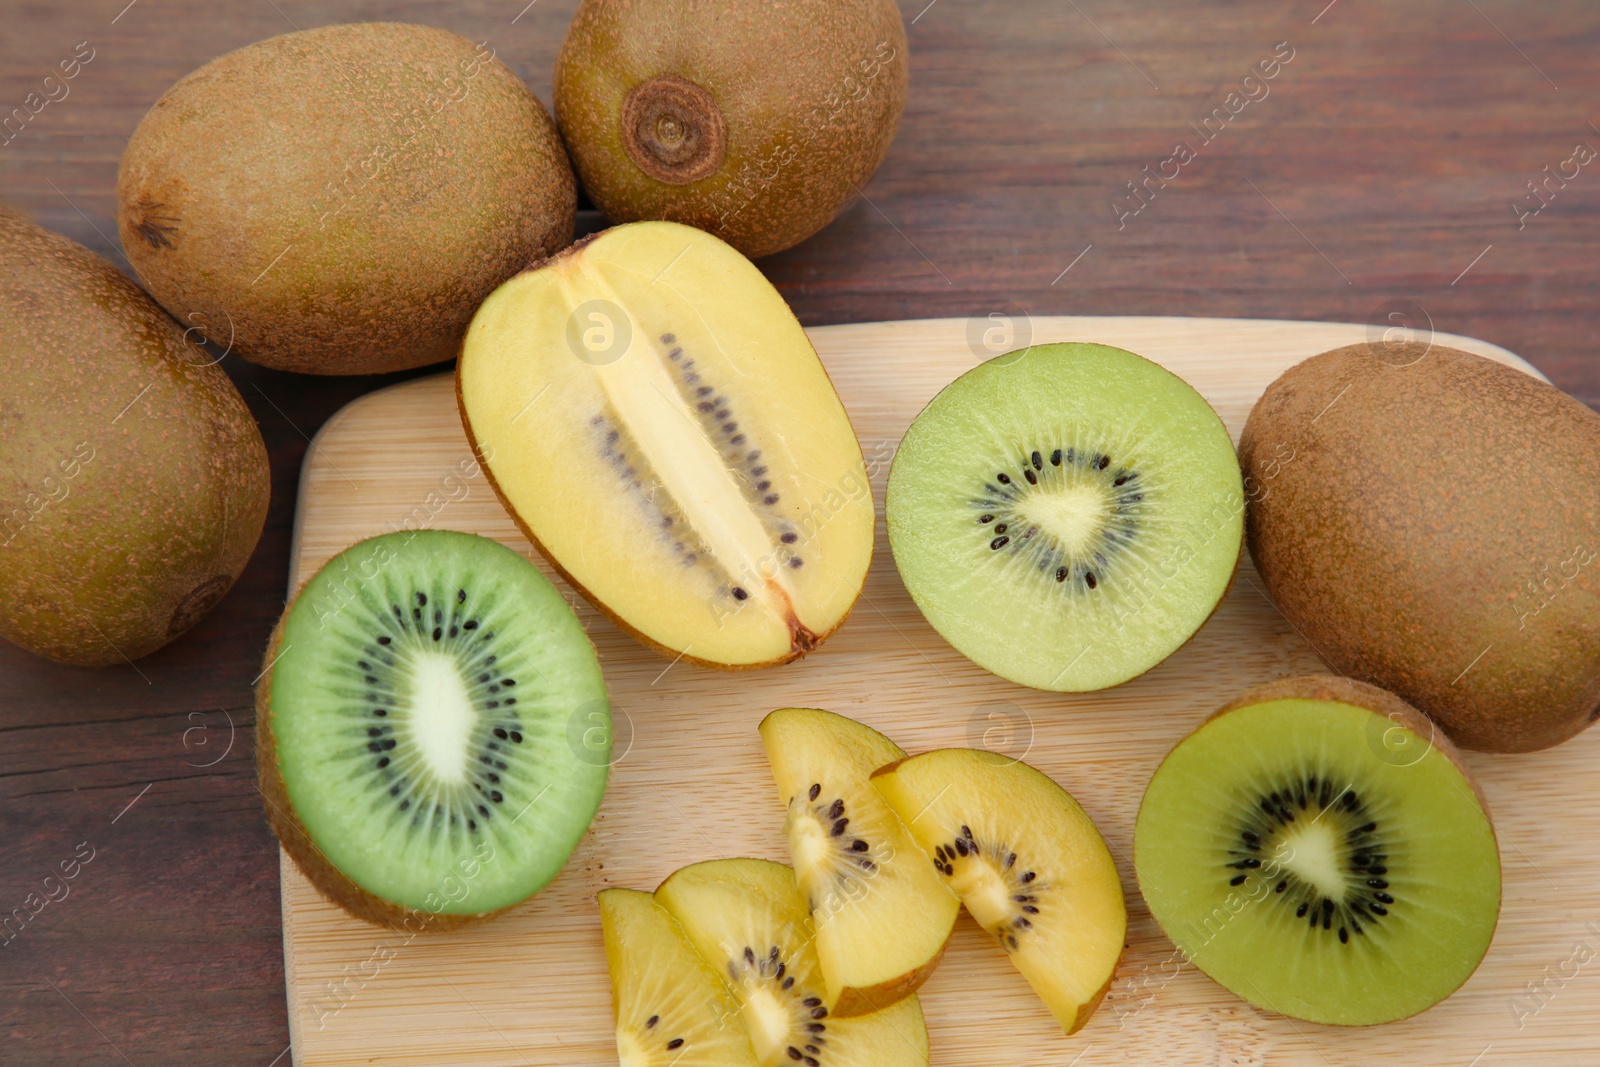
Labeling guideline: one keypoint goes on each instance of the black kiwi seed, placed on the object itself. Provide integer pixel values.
(1362, 898)
(436, 625)
(740, 594)
(1004, 503)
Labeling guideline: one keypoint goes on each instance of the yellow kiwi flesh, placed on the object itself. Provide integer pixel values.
(882, 913)
(133, 479)
(671, 1008)
(748, 920)
(1029, 865)
(755, 121)
(339, 200)
(1427, 519)
(659, 425)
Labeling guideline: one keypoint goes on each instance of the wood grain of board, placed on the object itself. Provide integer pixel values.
(690, 781)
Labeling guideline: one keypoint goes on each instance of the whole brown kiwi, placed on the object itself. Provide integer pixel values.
(1430, 521)
(755, 121)
(340, 200)
(133, 479)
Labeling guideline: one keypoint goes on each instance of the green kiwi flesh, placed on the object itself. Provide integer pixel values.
(1316, 849)
(415, 728)
(1067, 515)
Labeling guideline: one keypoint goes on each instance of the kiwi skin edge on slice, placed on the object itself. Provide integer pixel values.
(1398, 888)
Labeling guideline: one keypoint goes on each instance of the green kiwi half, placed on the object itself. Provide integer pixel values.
(415, 726)
(1067, 515)
(1316, 848)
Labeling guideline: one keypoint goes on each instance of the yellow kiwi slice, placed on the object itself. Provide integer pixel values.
(749, 921)
(658, 423)
(671, 1007)
(882, 915)
(1028, 864)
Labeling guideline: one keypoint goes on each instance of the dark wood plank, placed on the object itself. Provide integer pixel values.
(1383, 161)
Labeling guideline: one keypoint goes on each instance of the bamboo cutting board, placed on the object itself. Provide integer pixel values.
(690, 781)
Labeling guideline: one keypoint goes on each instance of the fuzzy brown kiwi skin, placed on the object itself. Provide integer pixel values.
(449, 131)
(175, 481)
(331, 882)
(784, 156)
(802, 641)
(868, 999)
(1089, 1006)
(1402, 555)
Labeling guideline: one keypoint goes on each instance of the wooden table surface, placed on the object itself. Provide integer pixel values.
(1382, 173)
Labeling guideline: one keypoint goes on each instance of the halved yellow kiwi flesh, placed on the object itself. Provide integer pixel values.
(656, 420)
